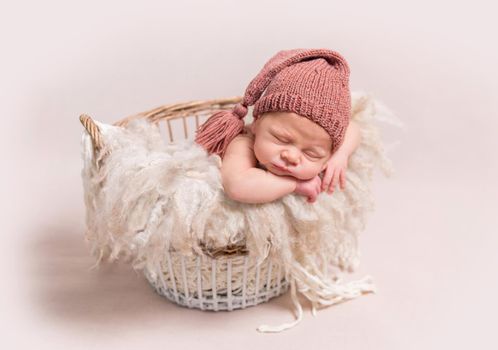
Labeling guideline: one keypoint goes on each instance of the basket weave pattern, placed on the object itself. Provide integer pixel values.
(225, 283)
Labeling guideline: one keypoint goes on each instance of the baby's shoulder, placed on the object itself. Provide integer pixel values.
(240, 153)
(240, 143)
(245, 137)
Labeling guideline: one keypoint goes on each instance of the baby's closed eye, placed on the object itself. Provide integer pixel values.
(310, 153)
(281, 139)
(314, 155)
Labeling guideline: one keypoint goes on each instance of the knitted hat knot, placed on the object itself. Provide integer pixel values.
(240, 110)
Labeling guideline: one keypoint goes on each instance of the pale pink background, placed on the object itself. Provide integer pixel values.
(431, 245)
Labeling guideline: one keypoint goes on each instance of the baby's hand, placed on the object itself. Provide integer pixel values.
(335, 172)
(309, 188)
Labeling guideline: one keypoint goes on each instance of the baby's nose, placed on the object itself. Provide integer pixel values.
(290, 157)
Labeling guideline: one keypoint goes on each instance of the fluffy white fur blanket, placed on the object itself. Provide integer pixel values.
(144, 197)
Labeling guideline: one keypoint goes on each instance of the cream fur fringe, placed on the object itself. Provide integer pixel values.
(144, 197)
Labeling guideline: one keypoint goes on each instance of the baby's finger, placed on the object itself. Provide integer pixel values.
(327, 179)
(333, 183)
(343, 179)
(329, 172)
(331, 188)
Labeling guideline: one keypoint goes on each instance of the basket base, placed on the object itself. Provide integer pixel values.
(236, 298)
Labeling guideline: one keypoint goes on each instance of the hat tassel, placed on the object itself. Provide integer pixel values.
(216, 133)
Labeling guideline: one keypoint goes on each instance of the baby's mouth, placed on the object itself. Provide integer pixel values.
(284, 169)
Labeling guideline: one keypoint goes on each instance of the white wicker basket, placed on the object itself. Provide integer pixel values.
(226, 280)
(221, 284)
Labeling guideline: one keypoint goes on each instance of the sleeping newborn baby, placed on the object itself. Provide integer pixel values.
(282, 153)
(301, 127)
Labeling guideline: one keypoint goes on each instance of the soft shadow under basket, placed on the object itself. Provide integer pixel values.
(225, 279)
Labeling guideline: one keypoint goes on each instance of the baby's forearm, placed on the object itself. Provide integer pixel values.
(351, 139)
(258, 186)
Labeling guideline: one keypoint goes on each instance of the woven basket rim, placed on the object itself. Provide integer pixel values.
(181, 109)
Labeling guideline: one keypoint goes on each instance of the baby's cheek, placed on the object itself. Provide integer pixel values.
(309, 171)
(263, 151)
(316, 168)
(258, 152)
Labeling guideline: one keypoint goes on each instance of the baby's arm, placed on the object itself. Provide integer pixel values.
(243, 182)
(351, 139)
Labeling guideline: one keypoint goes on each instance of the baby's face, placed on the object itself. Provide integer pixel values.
(288, 144)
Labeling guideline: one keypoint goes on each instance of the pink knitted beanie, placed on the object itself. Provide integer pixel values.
(313, 83)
